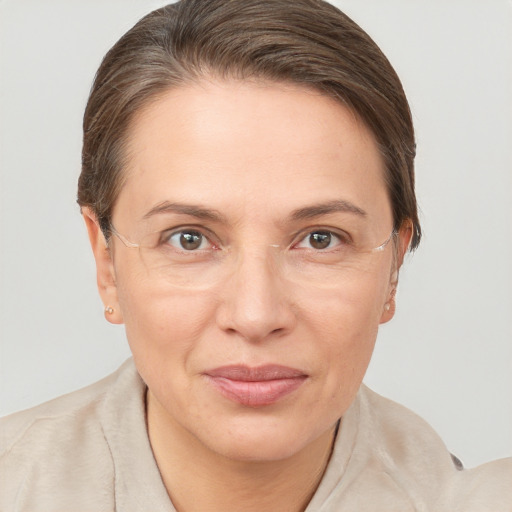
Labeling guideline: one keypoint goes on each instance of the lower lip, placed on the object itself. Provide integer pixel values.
(256, 393)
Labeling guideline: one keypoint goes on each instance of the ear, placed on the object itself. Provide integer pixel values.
(402, 244)
(105, 274)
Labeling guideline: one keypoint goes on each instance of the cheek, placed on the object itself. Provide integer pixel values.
(160, 321)
(344, 321)
(350, 307)
(164, 333)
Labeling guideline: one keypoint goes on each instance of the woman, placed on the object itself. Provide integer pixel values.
(248, 189)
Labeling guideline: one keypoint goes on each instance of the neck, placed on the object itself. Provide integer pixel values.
(197, 478)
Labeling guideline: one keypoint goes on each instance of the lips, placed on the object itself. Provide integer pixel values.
(256, 386)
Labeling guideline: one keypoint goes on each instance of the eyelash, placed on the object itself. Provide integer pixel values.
(342, 237)
(169, 233)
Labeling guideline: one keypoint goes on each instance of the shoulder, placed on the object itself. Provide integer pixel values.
(62, 440)
(482, 489)
(68, 411)
(418, 461)
(406, 438)
(64, 409)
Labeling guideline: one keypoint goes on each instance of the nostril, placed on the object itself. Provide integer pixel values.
(254, 304)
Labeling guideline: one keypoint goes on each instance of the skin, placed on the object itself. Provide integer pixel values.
(254, 152)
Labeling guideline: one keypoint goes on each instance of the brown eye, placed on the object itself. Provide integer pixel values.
(188, 240)
(320, 239)
(191, 240)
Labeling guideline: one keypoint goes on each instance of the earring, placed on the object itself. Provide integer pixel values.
(109, 310)
(387, 306)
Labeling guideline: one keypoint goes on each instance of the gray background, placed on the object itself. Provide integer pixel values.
(448, 352)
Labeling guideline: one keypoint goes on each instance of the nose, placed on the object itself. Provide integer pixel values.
(255, 302)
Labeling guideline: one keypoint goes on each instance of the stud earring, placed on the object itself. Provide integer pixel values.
(109, 310)
(387, 306)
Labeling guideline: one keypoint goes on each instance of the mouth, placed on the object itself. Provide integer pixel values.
(255, 386)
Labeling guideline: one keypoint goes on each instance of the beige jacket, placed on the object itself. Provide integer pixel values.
(89, 452)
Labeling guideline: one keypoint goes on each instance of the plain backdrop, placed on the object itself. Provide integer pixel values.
(447, 354)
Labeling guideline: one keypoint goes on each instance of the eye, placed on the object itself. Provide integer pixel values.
(188, 240)
(320, 240)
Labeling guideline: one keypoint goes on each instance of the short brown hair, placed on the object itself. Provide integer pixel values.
(308, 42)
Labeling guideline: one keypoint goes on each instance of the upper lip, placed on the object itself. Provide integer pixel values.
(256, 373)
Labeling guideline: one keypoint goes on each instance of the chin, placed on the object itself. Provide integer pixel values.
(264, 440)
(261, 450)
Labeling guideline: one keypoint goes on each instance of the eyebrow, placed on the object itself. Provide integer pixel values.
(185, 209)
(307, 212)
(334, 206)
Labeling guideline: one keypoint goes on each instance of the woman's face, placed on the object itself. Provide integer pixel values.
(253, 301)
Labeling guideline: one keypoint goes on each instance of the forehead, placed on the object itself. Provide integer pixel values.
(250, 147)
